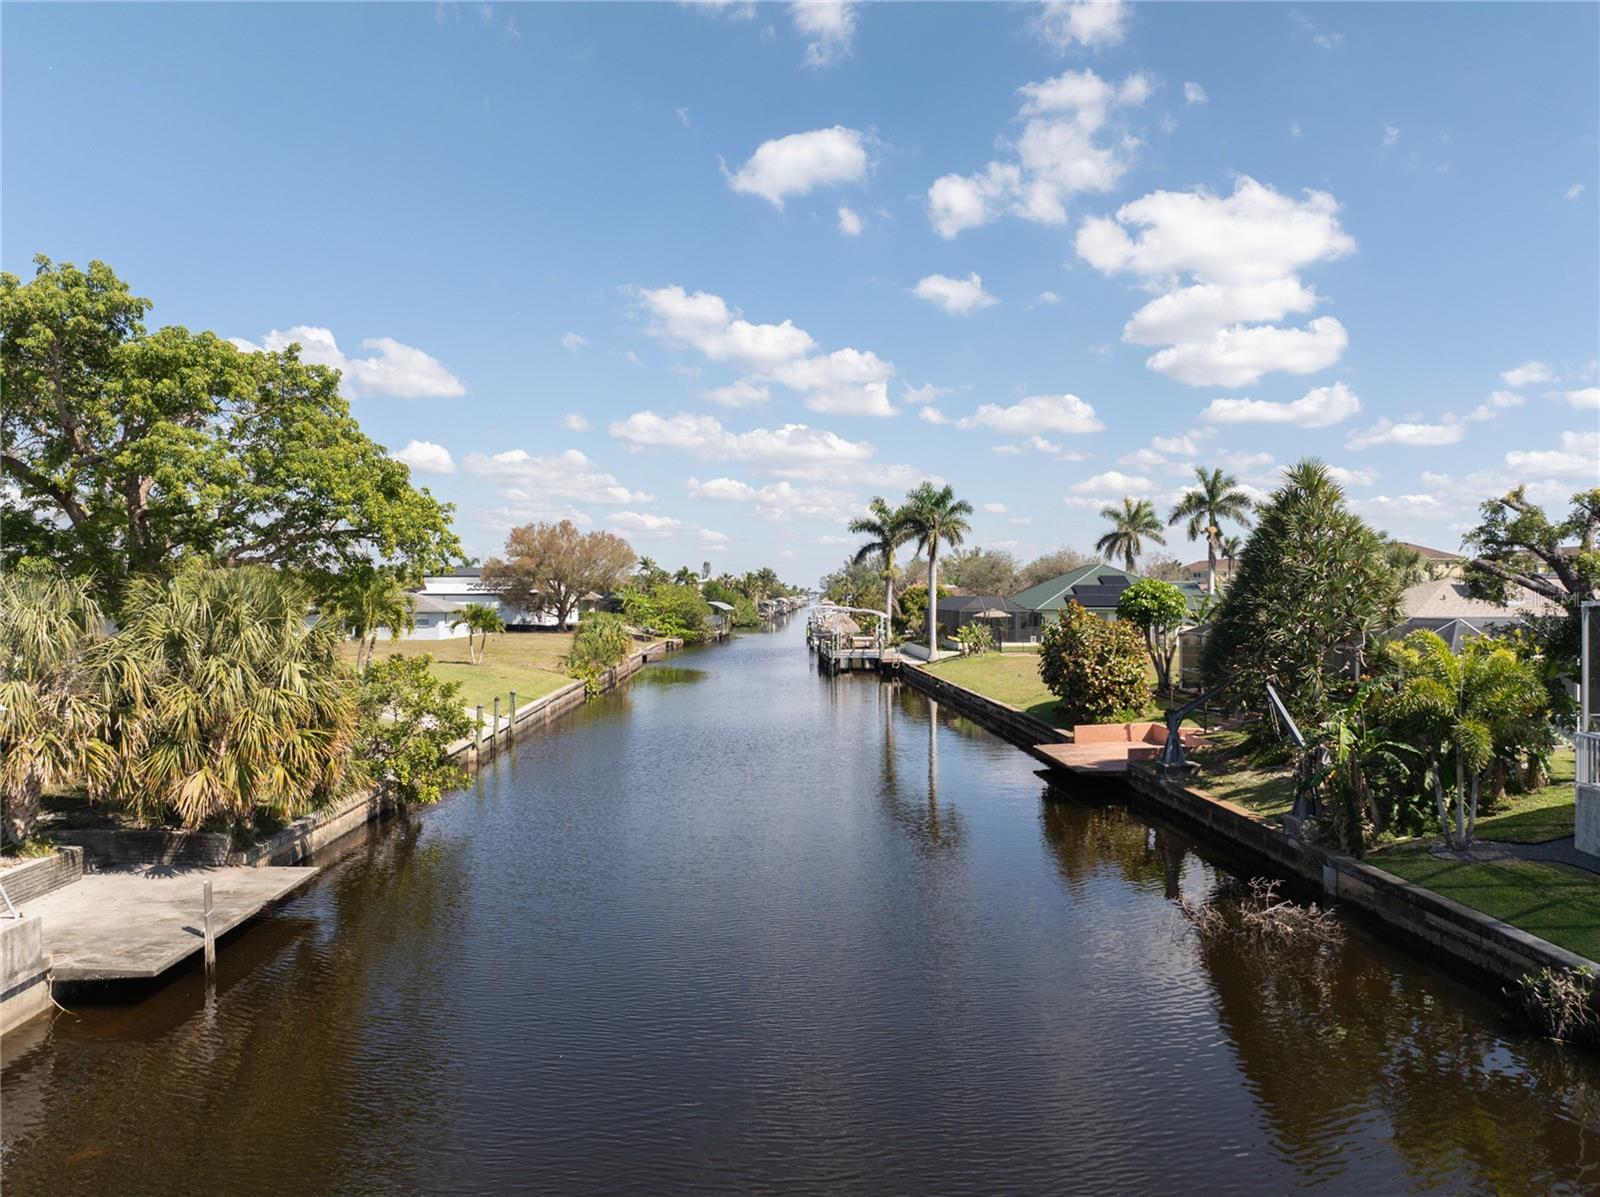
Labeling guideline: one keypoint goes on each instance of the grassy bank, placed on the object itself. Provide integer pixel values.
(1008, 677)
(527, 662)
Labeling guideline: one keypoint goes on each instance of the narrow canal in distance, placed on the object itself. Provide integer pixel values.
(742, 928)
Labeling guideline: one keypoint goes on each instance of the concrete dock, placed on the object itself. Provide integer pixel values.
(141, 922)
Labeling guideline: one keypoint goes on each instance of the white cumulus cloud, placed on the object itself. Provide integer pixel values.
(1114, 482)
(1227, 269)
(571, 475)
(575, 421)
(802, 162)
(847, 381)
(1038, 414)
(1193, 93)
(425, 457)
(1317, 408)
(1063, 24)
(850, 223)
(1527, 373)
(704, 436)
(1059, 153)
(1584, 399)
(1497, 402)
(402, 371)
(1412, 434)
(829, 26)
(572, 342)
(954, 296)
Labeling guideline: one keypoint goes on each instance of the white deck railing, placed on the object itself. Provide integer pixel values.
(1588, 745)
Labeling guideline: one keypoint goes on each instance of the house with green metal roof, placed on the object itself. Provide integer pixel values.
(1095, 587)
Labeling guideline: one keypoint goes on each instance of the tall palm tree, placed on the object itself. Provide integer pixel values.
(1214, 497)
(930, 516)
(479, 619)
(226, 701)
(1131, 525)
(885, 530)
(1232, 546)
(365, 604)
(52, 709)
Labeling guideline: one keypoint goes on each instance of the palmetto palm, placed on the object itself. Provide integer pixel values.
(932, 515)
(1214, 497)
(366, 603)
(1131, 525)
(885, 530)
(479, 619)
(52, 706)
(225, 701)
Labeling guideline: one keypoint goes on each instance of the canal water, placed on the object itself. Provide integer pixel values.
(742, 929)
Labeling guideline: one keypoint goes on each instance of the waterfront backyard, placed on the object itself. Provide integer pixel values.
(527, 663)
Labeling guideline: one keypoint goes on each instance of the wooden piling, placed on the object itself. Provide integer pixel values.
(511, 721)
(210, 934)
(494, 729)
(477, 735)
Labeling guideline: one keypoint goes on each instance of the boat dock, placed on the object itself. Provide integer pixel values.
(131, 923)
(842, 646)
(1105, 749)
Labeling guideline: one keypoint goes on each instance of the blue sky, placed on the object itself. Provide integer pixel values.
(711, 275)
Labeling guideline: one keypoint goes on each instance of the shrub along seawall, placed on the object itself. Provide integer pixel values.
(1489, 949)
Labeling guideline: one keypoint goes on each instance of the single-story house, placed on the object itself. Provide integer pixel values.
(1006, 619)
(1095, 587)
(1444, 606)
(465, 585)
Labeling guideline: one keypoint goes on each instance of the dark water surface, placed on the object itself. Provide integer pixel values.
(745, 929)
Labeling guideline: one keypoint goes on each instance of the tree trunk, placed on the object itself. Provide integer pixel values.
(1211, 563)
(1461, 803)
(22, 808)
(888, 588)
(1472, 817)
(1438, 798)
(933, 601)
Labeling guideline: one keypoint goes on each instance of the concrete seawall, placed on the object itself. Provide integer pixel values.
(1488, 948)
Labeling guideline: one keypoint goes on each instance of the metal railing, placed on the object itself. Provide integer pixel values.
(1588, 746)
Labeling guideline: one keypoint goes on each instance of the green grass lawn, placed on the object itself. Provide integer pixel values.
(1228, 773)
(1543, 815)
(527, 662)
(1551, 901)
(1008, 677)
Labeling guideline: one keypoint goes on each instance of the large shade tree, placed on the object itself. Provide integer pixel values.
(1518, 549)
(934, 516)
(550, 567)
(885, 530)
(1132, 524)
(1312, 585)
(130, 449)
(1215, 497)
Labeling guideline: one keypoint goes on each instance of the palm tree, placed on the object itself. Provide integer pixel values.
(930, 516)
(366, 603)
(886, 531)
(52, 710)
(685, 576)
(1131, 525)
(1462, 712)
(1232, 546)
(1215, 497)
(226, 701)
(479, 619)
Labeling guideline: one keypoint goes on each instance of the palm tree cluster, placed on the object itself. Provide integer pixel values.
(1215, 497)
(931, 516)
(215, 699)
